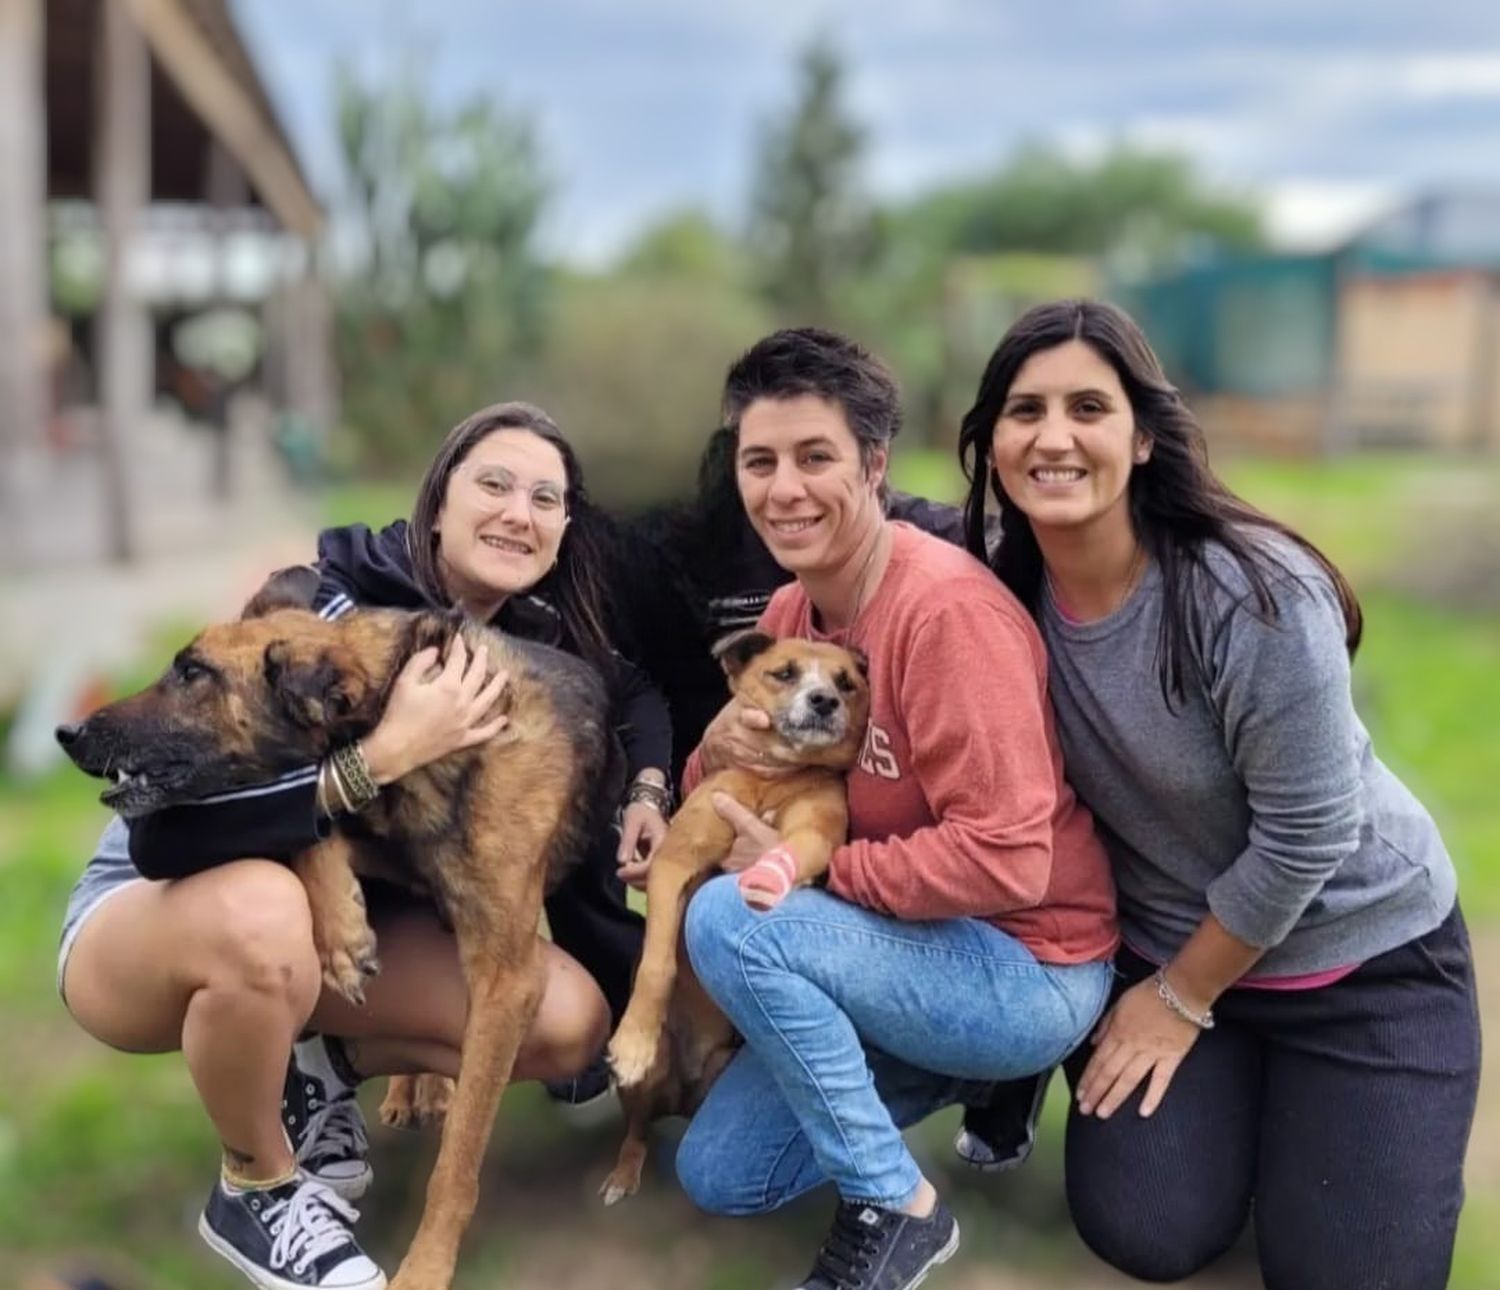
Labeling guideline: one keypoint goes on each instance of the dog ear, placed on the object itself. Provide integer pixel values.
(325, 692)
(289, 588)
(861, 660)
(735, 653)
(431, 630)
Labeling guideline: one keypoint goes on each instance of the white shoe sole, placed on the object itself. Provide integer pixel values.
(348, 1188)
(263, 1277)
(942, 1256)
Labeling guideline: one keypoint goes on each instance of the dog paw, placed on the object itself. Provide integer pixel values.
(620, 1184)
(346, 975)
(398, 1109)
(766, 883)
(431, 1100)
(632, 1054)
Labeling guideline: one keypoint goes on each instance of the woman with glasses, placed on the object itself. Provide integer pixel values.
(216, 956)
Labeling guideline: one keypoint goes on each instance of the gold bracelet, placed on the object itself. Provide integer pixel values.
(352, 775)
(339, 789)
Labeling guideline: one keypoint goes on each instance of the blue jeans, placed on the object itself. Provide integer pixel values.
(857, 1025)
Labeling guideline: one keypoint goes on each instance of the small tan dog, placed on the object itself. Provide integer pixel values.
(673, 1042)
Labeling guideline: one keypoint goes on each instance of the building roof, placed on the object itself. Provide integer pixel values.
(1448, 229)
(205, 89)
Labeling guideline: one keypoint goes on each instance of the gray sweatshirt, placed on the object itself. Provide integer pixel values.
(1258, 795)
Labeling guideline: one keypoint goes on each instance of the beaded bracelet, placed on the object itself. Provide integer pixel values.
(1164, 992)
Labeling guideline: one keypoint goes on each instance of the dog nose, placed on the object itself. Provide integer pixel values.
(68, 732)
(824, 702)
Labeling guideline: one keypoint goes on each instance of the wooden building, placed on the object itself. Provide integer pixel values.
(135, 107)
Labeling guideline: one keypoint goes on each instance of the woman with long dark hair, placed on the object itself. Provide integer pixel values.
(1294, 1033)
(187, 931)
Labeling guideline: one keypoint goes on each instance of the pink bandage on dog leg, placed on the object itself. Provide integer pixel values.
(766, 882)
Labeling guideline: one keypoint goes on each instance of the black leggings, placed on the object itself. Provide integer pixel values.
(1337, 1117)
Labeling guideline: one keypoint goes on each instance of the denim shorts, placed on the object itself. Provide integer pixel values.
(105, 876)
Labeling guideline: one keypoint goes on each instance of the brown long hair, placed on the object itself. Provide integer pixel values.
(1177, 503)
(574, 586)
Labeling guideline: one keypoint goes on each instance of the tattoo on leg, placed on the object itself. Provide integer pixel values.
(237, 1160)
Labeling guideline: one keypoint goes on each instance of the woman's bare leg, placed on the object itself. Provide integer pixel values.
(220, 965)
(415, 1010)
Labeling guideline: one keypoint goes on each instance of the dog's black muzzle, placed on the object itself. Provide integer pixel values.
(148, 772)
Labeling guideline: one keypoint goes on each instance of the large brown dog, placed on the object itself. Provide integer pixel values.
(483, 830)
(672, 1041)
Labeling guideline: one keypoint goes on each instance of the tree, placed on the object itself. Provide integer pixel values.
(1142, 207)
(811, 224)
(442, 297)
(685, 244)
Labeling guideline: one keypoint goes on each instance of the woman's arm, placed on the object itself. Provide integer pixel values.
(646, 732)
(1281, 691)
(430, 714)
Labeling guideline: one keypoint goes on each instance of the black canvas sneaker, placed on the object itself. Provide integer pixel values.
(871, 1248)
(1000, 1134)
(590, 1084)
(324, 1123)
(292, 1237)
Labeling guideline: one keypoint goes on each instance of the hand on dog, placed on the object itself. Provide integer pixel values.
(434, 711)
(753, 836)
(1138, 1038)
(730, 740)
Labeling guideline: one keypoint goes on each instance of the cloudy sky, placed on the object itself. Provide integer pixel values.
(1331, 108)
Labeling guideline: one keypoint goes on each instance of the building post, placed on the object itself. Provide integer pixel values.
(24, 400)
(123, 177)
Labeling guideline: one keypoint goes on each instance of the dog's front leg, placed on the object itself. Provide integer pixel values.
(696, 841)
(505, 986)
(341, 931)
(811, 825)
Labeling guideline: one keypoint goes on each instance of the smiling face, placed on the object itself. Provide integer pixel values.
(806, 490)
(1066, 440)
(502, 520)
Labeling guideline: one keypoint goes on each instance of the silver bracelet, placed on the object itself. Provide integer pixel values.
(1203, 1020)
(657, 796)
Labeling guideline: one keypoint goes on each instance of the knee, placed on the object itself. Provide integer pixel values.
(1151, 1247)
(572, 1023)
(703, 1176)
(256, 926)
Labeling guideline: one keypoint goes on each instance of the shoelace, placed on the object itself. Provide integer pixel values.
(846, 1254)
(308, 1224)
(335, 1131)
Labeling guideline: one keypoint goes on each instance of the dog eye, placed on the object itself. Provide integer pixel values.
(844, 684)
(188, 671)
(785, 674)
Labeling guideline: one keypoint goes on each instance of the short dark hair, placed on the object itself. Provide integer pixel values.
(575, 585)
(800, 361)
(1177, 503)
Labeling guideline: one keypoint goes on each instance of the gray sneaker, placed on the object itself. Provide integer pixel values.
(325, 1125)
(871, 1248)
(292, 1237)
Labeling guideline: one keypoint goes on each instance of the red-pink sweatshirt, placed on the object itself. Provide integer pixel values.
(958, 806)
